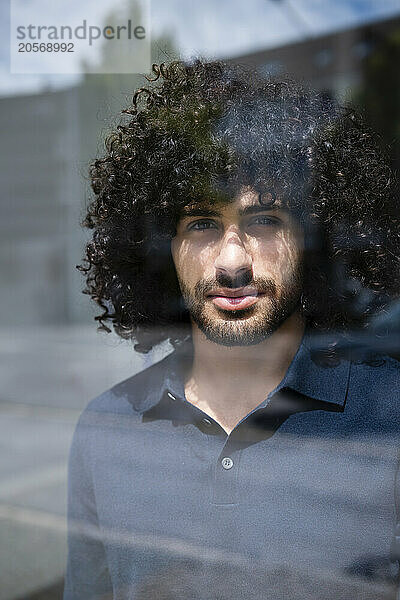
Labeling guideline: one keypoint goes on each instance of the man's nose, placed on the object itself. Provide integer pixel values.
(233, 265)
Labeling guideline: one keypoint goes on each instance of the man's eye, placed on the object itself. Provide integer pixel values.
(201, 225)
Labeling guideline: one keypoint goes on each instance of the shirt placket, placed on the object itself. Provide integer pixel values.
(223, 453)
(225, 474)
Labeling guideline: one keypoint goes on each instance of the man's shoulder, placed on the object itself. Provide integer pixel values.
(133, 395)
(109, 416)
(375, 385)
(381, 371)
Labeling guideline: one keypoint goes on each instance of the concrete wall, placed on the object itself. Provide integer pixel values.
(39, 184)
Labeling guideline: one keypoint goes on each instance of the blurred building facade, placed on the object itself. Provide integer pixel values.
(333, 63)
(40, 184)
(49, 139)
(47, 143)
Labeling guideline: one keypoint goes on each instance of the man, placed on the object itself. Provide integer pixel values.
(254, 226)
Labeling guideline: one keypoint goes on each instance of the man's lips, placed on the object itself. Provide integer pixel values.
(234, 299)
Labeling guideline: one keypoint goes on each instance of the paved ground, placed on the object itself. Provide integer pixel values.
(47, 377)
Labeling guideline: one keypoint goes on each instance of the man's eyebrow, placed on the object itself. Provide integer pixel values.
(255, 209)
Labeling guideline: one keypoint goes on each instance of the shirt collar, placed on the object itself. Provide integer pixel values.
(324, 383)
(328, 384)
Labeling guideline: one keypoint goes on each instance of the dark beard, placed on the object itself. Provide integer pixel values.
(238, 328)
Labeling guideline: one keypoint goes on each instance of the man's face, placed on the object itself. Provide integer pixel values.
(239, 266)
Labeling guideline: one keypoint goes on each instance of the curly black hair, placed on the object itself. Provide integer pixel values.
(201, 130)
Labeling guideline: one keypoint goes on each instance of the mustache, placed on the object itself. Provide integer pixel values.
(263, 285)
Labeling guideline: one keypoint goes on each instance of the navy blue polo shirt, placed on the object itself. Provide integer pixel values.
(306, 481)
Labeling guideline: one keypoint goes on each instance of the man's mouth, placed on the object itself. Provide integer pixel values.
(237, 299)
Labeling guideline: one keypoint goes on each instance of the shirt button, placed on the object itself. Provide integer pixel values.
(227, 463)
(206, 422)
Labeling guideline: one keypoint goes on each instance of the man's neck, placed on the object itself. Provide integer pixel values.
(229, 382)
